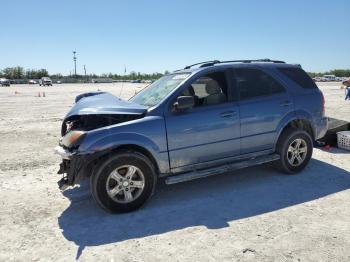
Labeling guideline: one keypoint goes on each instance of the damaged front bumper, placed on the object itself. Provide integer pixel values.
(72, 168)
(64, 153)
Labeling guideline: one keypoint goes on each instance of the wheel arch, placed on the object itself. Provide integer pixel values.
(124, 147)
(297, 123)
(100, 145)
(139, 149)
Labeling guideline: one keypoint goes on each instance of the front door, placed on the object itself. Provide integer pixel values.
(210, 130)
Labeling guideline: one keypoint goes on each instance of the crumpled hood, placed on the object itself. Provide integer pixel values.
(104, 103)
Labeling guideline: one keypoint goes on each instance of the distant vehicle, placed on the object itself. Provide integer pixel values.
(32, 82)
(101, 80)
(58, 82)
(4, 82)
(329, 78)
(45, 81)
(339, 79)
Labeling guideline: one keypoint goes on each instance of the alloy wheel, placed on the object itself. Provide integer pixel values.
(125, 184)
(297, 152)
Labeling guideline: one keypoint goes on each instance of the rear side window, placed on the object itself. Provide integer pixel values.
(254, 83)
(298, 76)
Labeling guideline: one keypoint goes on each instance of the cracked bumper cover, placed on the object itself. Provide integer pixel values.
(74, 166)
(64, 153)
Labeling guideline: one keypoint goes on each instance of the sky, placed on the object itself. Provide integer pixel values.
(156, 35)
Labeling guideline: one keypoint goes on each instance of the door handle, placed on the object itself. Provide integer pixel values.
(228, 114)
(286, 103)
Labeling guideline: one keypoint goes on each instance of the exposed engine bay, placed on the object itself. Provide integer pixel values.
(91, 111)
(91, 122)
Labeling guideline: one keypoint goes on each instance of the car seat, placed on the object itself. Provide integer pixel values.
(215, 94)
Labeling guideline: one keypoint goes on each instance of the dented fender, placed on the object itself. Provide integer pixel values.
(152, 138)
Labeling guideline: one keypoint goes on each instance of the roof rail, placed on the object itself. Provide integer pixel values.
(265, 60)
(213, 62)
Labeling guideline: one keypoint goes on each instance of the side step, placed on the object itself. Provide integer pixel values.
(221, 169)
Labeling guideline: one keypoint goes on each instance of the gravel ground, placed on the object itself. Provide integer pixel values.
(256, 214)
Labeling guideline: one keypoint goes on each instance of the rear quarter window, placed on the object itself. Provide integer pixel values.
(299, 76)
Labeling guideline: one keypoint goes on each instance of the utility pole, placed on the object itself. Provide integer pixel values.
(75, 63)
(85, 73)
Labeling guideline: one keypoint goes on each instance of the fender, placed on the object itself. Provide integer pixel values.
(152, 139)
(114, 140)
(295, 115)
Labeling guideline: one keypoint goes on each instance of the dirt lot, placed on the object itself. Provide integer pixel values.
(254, 214)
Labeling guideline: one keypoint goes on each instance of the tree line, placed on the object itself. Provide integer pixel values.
(131, 76)
(19, 72)
(336, 72)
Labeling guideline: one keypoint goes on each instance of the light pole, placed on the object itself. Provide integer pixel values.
(85, 73)
(75, 63)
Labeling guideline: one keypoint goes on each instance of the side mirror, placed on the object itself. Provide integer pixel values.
(184, 102)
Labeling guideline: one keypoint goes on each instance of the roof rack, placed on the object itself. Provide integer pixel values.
(213, 62)
(265, 60)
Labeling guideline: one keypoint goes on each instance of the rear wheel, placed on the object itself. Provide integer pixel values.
(123, 182)
(295, 149)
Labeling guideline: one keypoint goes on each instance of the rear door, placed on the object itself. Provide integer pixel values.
(263, 102)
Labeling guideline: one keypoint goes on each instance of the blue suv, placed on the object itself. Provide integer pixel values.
(207, 119)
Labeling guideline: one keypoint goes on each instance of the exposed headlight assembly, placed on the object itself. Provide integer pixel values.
(73, 139)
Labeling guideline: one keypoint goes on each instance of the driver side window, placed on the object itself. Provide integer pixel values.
(210, 89)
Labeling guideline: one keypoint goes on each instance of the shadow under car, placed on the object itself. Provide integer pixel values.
(212, 202)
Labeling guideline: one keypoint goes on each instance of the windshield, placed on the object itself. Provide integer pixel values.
(158, 90)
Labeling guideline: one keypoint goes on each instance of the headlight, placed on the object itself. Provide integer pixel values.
(73, 138)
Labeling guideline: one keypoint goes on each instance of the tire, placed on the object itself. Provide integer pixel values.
(287, 147)
(116, 191)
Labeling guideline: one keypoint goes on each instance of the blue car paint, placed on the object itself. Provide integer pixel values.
(308, 106)
(78, 97)
(198, 140)
(148, 132)
(259, 120)
(200, 135)
(202, 130)
(104, 103)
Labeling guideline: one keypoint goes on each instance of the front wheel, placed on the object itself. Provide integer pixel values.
(123, 182)
(295, 149)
